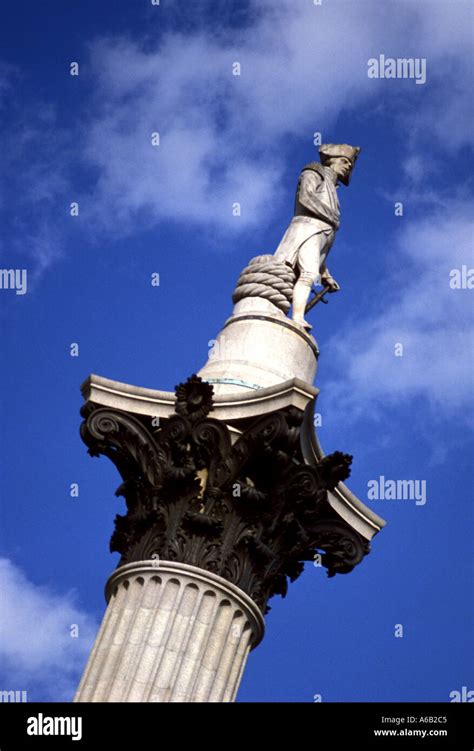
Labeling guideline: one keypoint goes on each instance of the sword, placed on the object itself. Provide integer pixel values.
(318, 297)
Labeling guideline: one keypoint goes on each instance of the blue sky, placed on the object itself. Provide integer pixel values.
(168, 210)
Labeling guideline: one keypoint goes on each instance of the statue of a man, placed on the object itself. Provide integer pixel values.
(310, 235)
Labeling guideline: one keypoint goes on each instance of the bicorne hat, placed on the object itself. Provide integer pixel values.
(331, 150)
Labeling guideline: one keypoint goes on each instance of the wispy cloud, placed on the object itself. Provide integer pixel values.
(419, 310)
(223, 137)
(37, 652)
(35, 188)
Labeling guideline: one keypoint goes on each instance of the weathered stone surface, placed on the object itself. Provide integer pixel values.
(226, 498)
(229, 407)
(251, 511)
(171, 633)
(258, 348)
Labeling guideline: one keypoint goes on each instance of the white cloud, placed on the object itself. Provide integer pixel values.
(37, 652)
(223, 136)
(417, 308)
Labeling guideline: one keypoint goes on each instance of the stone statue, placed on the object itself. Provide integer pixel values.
(310, 235)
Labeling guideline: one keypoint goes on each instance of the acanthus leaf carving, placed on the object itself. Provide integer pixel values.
(180, 482)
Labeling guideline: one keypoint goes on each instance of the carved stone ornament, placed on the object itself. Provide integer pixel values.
(251, 512)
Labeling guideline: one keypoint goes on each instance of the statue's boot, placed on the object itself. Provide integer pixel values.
(300, 298)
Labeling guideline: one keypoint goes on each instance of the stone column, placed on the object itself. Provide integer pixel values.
(224, 502)
(227, 493)
(171, 633)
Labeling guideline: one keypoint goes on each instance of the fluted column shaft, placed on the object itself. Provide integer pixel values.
(171, 633)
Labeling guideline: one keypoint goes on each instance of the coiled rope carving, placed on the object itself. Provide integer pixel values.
(267, 278)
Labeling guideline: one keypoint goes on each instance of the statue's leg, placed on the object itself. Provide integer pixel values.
(300, 298)
(308, 265)
(287, 249)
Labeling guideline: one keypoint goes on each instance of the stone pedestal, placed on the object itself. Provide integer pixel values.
(172, 633)
(259, 347)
